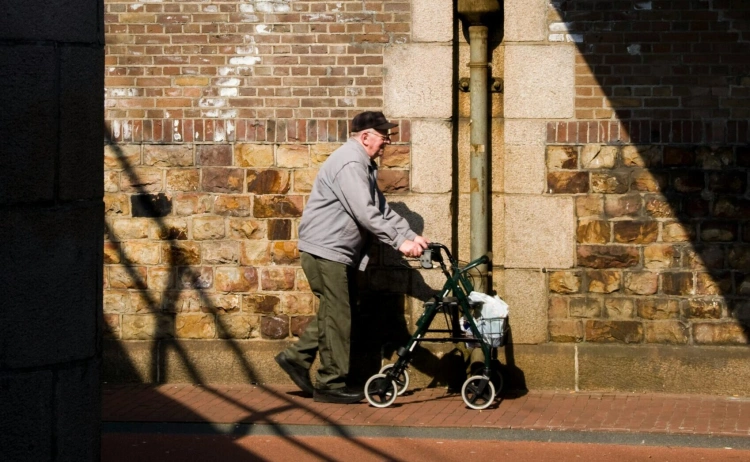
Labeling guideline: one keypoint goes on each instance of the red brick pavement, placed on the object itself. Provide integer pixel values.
(278, 405)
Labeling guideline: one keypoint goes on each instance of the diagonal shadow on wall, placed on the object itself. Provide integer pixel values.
(677, 77)
(165, 327)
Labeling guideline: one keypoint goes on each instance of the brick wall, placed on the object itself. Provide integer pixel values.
(218, 115)
(657, 161)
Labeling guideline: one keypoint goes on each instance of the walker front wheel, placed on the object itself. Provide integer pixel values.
(402, 381)
(380, 391)
(475, 396)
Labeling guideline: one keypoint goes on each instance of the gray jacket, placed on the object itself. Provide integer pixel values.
(344, 206)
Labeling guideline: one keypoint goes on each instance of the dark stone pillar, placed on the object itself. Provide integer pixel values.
(51, 226)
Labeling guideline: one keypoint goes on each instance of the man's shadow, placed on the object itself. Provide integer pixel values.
(392, 292)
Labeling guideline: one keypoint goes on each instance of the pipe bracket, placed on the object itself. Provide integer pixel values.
(495, 85)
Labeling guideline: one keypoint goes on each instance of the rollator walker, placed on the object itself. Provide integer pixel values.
(478, 391)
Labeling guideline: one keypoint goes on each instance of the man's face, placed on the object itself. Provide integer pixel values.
(375, 141)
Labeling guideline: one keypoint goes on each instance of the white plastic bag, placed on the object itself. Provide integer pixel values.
(491, 323)
(492, 306)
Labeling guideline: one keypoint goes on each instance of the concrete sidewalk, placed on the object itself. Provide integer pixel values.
(183, 408)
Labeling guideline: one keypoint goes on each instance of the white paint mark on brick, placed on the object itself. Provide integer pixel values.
(230, 127)
(556, 37)
(211, 9)
(224, 71)
(560, 26)
(219, 134)
(176, 136)
(643, 5)
(232, 82)
(246, 60)
(227, 92)
(249, 18)
(116, 128)
(634, 49)
(577, 38)
(212, 102)
(115, 92)
(211, 114)
(262, 29)
(135, 7)
(228, 114)
(127, 130)
(245, 8)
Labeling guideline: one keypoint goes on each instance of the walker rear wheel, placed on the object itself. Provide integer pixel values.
(381, 391)
(402, 381)
(473, 397)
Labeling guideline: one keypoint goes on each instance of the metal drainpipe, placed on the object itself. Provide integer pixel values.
(478, 168)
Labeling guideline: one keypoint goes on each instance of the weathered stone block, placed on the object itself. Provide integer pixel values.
(284, 252)
(523, 171)
(648, 181)
(111, 182)
(704, 309)
(238, 326)
(593, 232)
(300, 323)
(253, 155)
(160, 278)
(657, 308)
(182, 301)
(111, 329)
(214, 154)
(192, 204)
(173, 229)
(641, 283)
(233, 205)
(319, 152)
(595, 156)
(607, 256)
(278, 206)
(162, 155)
(236, 279)
(304, 179)
(142, 180)
(393, 181)
(619, 308)
(614, 331)
(558, 308)
(183, 179)
(589, 205)
(299, 303)
(127, 277)
(147, 326)
(718, 231)
(293, 155)
(687, 181)
(562, 157)
(195, 326)
(111, 253)
(141, 252)
(565, 331)
(719, 333)
(622, 206)
(190, 277)
(636, 232)
(277, 278)
(675, 156)
(568, 182)
(528, 305)
(223, 180)
(256, 253)
(205, 228)
(586, 307)
(641, 156)
(396, 156)
(221, 252)
(716, 283)
(279, 230)
(677, 283)
(410, 92)
(603, 282)
(565, 282)
(431, 166)
(659, 207)
(116, 301)
(714, 158)
(274, 328)
(260, 303)
(539, 82)
(150, 205)
(181, 253)
(268, 181)
(610, 182)
(247, 228)
(677, 232)
(121, 156)
(727, 182)
(670, 332)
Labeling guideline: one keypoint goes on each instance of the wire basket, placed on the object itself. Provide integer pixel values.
(493, 330)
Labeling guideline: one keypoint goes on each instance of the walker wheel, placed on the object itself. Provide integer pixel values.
(380, 391)
(473, 397)
(402, 381)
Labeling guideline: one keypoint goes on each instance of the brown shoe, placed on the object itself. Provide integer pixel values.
(299, 375)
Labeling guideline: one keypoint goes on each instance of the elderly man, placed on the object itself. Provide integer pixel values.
(345, 209)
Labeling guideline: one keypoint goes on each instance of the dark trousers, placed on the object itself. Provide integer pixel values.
(335, 286)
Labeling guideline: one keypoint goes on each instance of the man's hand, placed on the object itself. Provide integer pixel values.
(411, 248)
(422, 241)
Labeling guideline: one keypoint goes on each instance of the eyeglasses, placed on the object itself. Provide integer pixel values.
(382, 137)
